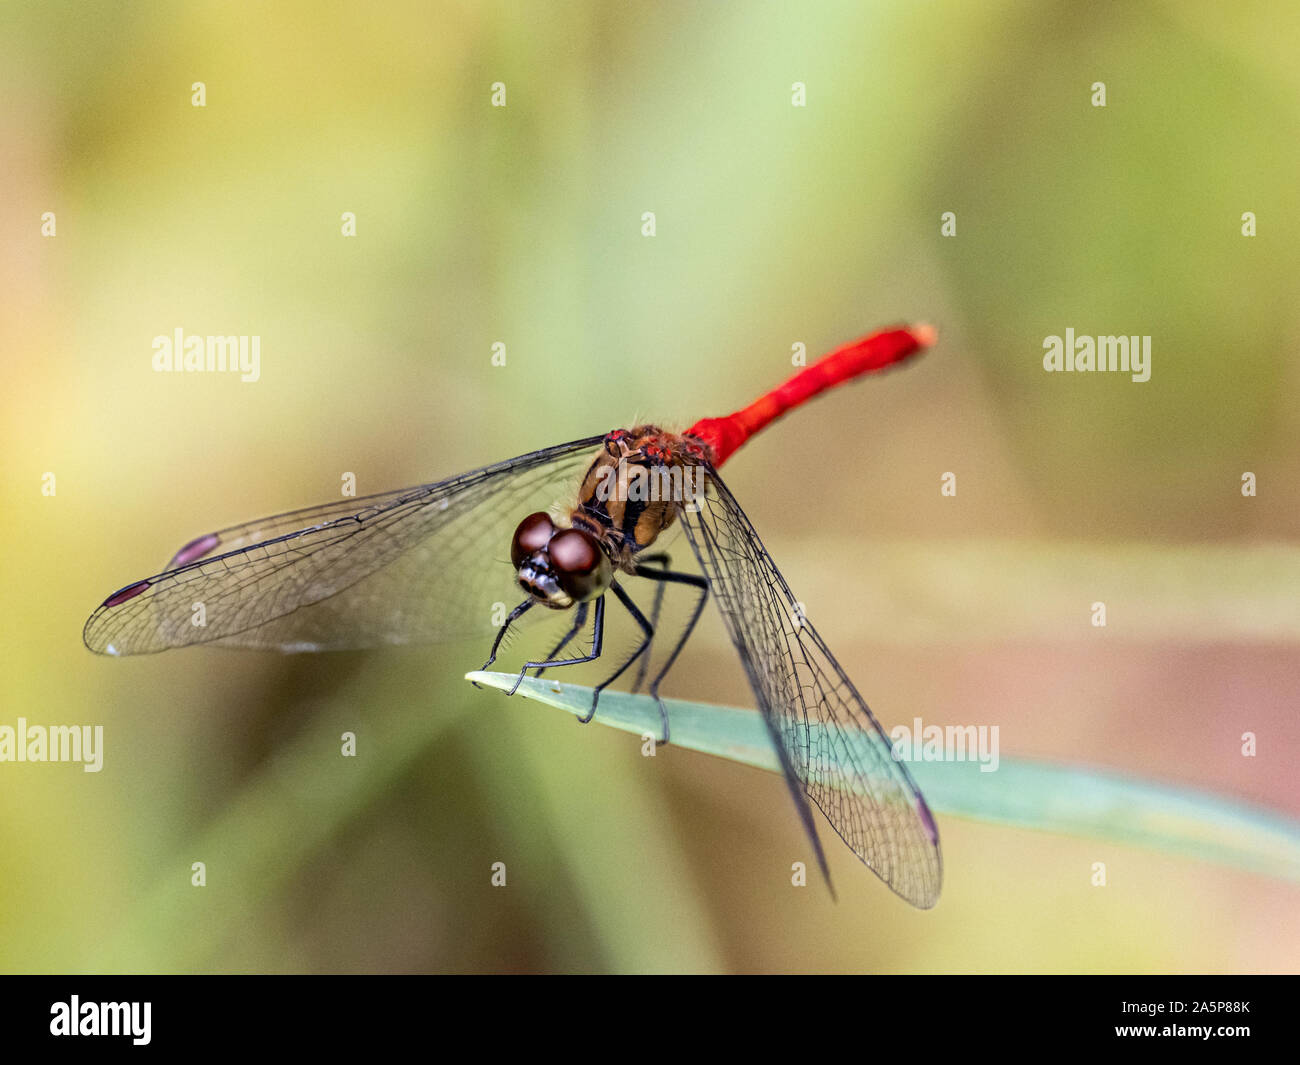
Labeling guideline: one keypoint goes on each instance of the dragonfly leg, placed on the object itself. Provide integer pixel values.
(579, 620)
(701, 585)
(659, 559)
(646, 628)
(510, 619)
(597, 637)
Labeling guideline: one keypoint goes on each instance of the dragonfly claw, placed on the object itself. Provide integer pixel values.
(663, 713)
(586, 718)
(484, 670)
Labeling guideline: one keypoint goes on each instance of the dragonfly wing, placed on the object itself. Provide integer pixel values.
(413, 566)
(825, 732)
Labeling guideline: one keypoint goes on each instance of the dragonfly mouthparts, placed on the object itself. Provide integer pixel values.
(538, 579)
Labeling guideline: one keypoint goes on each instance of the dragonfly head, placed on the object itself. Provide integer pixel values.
(559, 567)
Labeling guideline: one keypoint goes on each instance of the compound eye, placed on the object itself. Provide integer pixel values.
(533, 534)
(581, 567)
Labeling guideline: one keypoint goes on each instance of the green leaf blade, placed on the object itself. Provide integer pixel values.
(1073, 800)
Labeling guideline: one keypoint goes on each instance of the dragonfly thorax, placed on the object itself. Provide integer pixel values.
(634, 488)
(630, 494)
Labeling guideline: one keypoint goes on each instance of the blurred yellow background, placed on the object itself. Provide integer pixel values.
(775, 225)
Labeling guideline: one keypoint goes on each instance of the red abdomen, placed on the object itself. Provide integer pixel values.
(875, 352)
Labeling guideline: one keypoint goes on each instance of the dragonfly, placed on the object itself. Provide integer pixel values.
(589, 520)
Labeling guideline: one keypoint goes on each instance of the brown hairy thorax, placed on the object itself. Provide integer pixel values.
(634, 487)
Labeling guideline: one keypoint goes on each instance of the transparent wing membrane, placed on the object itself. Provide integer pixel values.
(401, 567)
(829, 738)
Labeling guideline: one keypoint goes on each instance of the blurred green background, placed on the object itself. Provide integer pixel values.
(775, 225)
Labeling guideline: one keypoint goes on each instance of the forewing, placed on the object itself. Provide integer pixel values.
(414, 566)
(831, 740)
